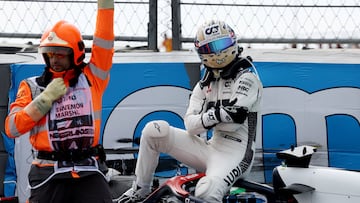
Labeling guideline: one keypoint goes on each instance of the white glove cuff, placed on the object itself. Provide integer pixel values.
(106, 3)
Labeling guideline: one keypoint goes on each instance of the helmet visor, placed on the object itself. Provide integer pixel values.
(216, 46)
(65, 51)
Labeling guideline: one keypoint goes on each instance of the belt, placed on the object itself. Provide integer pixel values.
(73, 155)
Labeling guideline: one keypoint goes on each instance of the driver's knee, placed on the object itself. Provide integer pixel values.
(210, 189)
(156, 134)
(155, 129)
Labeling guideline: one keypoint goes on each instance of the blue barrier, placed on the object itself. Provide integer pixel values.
(303, 103)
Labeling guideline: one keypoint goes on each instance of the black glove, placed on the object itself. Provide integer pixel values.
(227, 114)
(236, 113)
(231, 113)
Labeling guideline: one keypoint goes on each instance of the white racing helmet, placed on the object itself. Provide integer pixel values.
(216, 44)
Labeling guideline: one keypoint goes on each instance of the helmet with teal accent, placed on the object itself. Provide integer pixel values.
(216, 44)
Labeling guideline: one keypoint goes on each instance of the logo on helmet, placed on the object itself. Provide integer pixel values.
(213, 30)
(51, 36)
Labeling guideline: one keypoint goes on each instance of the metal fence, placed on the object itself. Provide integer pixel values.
(141, 23)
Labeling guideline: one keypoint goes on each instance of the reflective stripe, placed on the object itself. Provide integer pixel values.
(98, 72)
(40, 128)
(13, 130)
(16, 109)
(58, 170)
(106, 44)
(97, 115)
(35, 89)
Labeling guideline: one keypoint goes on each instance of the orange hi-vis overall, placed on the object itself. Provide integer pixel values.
(74, 121)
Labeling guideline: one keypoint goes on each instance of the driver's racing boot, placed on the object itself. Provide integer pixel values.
(134, 194)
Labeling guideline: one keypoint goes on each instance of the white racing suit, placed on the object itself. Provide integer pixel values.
(227, 156)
